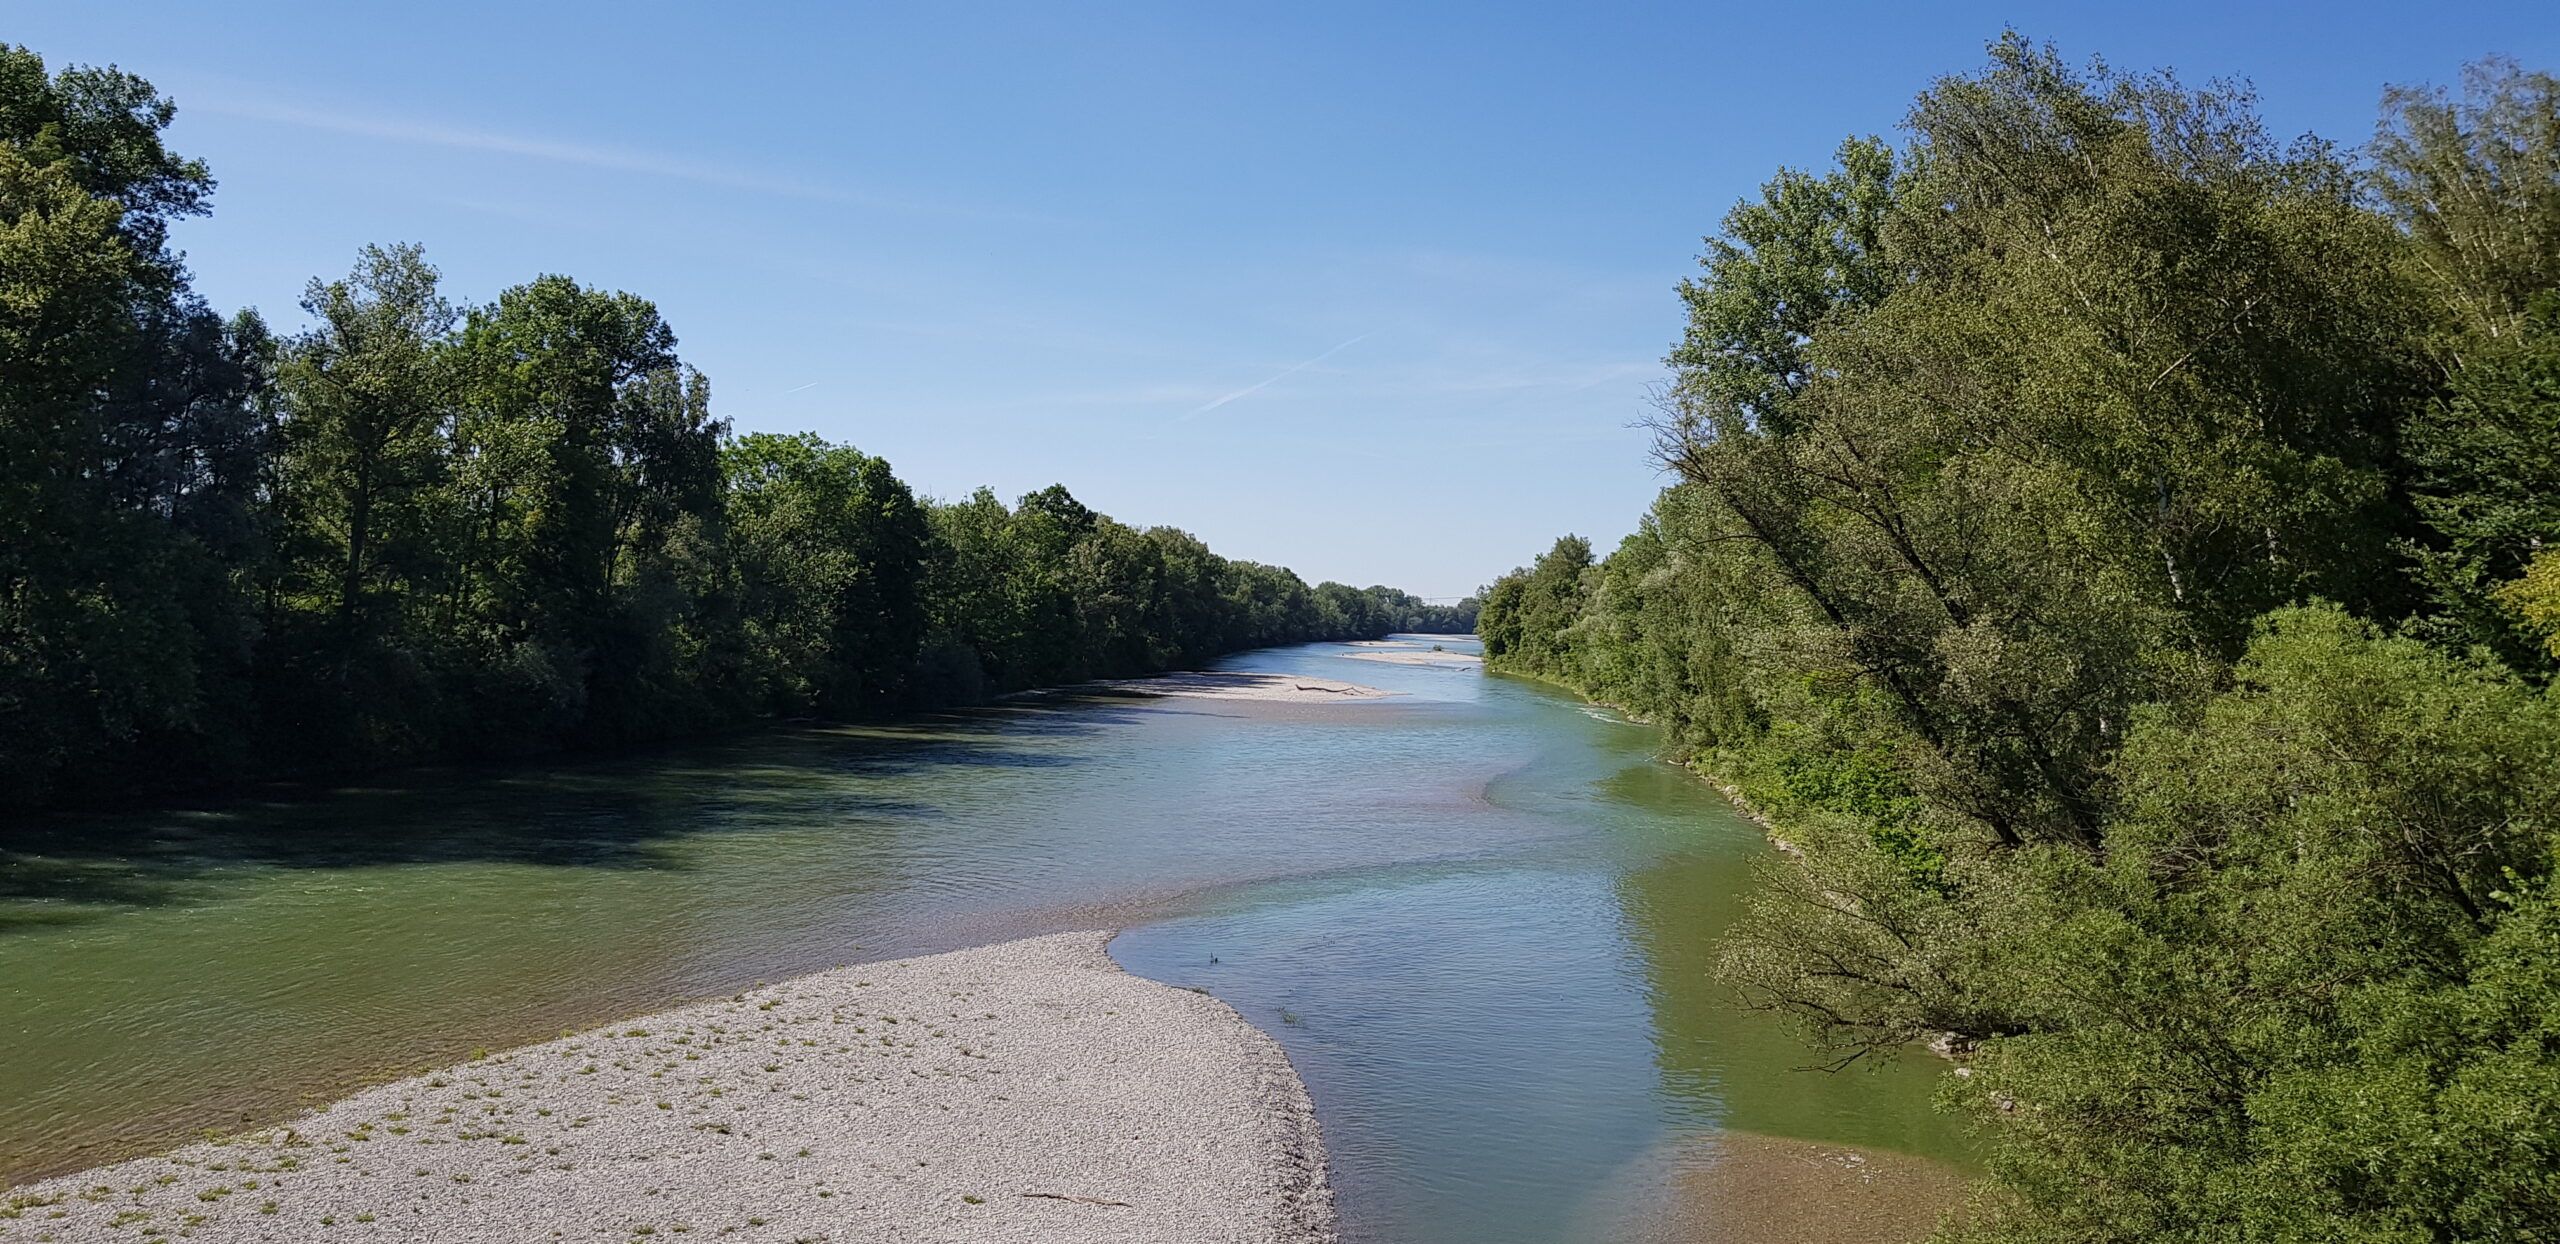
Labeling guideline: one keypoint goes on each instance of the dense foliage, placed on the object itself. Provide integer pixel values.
(420, 529)
(2123, 553)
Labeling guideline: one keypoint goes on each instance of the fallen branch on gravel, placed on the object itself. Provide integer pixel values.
(1081, 1200)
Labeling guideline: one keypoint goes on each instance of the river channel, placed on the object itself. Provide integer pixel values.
(1479, 914)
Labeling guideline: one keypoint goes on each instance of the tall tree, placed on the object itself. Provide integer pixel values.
(830, 549)
(601, 453)
(369, 395)
(2474, 184)
(127, 439)
(2008, 460)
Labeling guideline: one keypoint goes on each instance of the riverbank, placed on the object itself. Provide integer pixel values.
(1027, 1091)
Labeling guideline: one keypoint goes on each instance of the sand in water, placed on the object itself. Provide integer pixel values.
(1746, 1188)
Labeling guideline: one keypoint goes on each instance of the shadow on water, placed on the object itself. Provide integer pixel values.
(605, 813)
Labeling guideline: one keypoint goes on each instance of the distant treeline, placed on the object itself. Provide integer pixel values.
(2123, 554)
(420, 530)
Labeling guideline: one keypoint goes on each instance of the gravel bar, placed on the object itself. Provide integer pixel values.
(1028, 1091)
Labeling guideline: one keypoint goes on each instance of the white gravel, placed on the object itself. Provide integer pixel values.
(1237, 685)
(1419, 656)
(1029, 1091)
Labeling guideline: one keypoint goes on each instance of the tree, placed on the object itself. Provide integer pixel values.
(2487, 478)
(368, 396)
(830, 550)
(1529, 613)
(603, 459)
(2474, 185)
(2008, 460)
(2305, 993)
(2023, 508)
(127, 438)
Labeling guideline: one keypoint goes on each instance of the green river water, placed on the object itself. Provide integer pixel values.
(1479, 916)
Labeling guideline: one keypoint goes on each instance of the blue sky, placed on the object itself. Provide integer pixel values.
(1372, 291)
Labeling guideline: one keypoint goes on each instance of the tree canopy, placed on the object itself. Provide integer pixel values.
(2117, 548)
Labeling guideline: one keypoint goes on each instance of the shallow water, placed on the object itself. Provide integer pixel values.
(1478, 915)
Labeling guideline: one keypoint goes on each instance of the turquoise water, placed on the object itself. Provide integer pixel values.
(1477, 914)
(1494, 1034)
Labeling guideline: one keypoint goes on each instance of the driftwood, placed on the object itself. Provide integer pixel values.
(1080, 1200)
(1334, 690)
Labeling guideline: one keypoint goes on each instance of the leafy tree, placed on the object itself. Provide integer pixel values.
(419, 530)
(829, 548)
(2475, 184)
(2297, 997)
(2487, 460)
(603, 459)
(368, 395)
(365, 399)
(2007, 459)
(1529, 613)
(2535, 598)
(128, 440)
(1973, 471)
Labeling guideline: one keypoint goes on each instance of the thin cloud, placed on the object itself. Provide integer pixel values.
(580, 155)
(1284, 374)
(1567, 378)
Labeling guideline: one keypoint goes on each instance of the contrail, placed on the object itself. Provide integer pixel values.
(802, 389)
(1285, 373)
(611, 159)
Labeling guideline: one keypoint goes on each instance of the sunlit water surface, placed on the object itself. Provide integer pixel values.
(1478, 915)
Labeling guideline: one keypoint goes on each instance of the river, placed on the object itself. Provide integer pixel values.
(1479, 915)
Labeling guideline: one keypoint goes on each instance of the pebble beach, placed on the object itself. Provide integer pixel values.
(1027, 1091)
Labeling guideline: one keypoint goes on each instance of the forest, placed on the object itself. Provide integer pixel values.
(424, 529)
(2119, 554)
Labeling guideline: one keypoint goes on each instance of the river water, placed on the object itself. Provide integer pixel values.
(1479, 915)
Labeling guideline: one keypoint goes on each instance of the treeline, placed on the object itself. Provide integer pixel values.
(422, 530)
(2123, 552)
